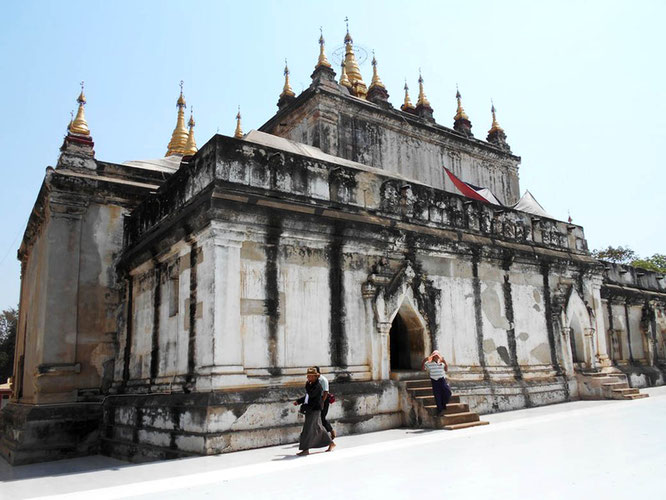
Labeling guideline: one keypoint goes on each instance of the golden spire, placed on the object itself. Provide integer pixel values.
(286, 90)
(179, 136)
(460, 112)
(191, 145)
(495, 126)
(407, 105)
(238, 134)
(344, 81)
(351, 67)
(79, 125)
(322, 61)
(422, 100)
(376, 81)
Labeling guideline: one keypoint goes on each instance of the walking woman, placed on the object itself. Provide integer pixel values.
(437, 367)
(313, 435)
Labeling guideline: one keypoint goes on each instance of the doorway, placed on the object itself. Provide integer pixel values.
(407, 340)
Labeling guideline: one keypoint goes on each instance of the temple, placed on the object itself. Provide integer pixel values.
(170, 307)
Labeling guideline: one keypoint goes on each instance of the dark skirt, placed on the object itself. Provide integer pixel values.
(313, 434)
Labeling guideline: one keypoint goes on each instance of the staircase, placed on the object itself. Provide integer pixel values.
(424, 409)
(611, 386)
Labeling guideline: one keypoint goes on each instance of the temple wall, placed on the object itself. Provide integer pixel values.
(399, 143)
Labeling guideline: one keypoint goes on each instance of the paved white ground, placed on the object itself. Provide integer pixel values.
(585, 449)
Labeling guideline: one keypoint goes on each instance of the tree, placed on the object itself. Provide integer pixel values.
(619, 255)
(8, 324)
(655, 263)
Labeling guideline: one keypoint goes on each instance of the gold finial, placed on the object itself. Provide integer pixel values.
(79, 125)
(238, 134)
(495, 126)
(286, 90)
(348, 38)
(407, 105)
(422, 100)
(460, 112)
(180, 135)
(322, 61)
(344, 81)
(376, 81)
(191, 145)
(351, 67)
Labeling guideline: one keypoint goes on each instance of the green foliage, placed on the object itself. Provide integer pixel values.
(619, 255)
(8, 324)
(625, 255)
(655, 263)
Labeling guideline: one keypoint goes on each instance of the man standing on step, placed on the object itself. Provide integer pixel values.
(324, 411)
(437, 368)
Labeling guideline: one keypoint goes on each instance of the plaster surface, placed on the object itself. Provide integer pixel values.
(584, 449)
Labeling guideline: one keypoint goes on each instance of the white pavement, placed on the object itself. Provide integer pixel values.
(584, 449)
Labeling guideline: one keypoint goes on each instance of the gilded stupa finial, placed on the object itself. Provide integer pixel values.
(286, 90)
(322, 61)
(344, 80)
(461, 121)
(422, 100)
(407, 104)
(180, 135)
(496, 134)
(191, 145)
(358, 87)
(78, 125)
(348, 38)
(238, 133)
(460, 112)
(376, 81)
(495, 126)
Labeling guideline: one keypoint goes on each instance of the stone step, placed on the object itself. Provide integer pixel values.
(636, 396)
(626, 391)
(427, 391)
(465, 425)
(429, 401)
(418, 383)
(455, 417)
(451, 408)
(615, 385)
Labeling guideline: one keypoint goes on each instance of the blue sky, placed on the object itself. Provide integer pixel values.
(580, 89)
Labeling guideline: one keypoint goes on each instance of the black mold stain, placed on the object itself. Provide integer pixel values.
(128, 339)
(476, 286)
(338, 340)
(545, 272)
(155, 341)
(273, 292)
(426, 302)
(511, 332)
(191, 345)
(626, 315)
(504, 354)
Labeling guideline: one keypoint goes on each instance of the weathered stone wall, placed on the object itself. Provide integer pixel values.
(395, 141)
(161, 426)
(635, 315)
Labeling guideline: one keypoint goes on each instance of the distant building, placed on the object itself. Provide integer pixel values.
(171, 307)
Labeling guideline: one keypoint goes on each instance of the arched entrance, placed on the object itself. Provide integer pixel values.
(407, 339)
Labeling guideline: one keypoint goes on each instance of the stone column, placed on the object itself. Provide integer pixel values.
(384, 350)
(588, 348)
(219, 343)
(602, 352)
(567, 356)
(368, 291)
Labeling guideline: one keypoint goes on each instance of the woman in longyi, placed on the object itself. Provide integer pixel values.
(313, 434)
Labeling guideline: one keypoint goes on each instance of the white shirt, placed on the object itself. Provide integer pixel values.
(435, 370)
(323, 381)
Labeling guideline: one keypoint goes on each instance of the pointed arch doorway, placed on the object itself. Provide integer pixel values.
(408, 341)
